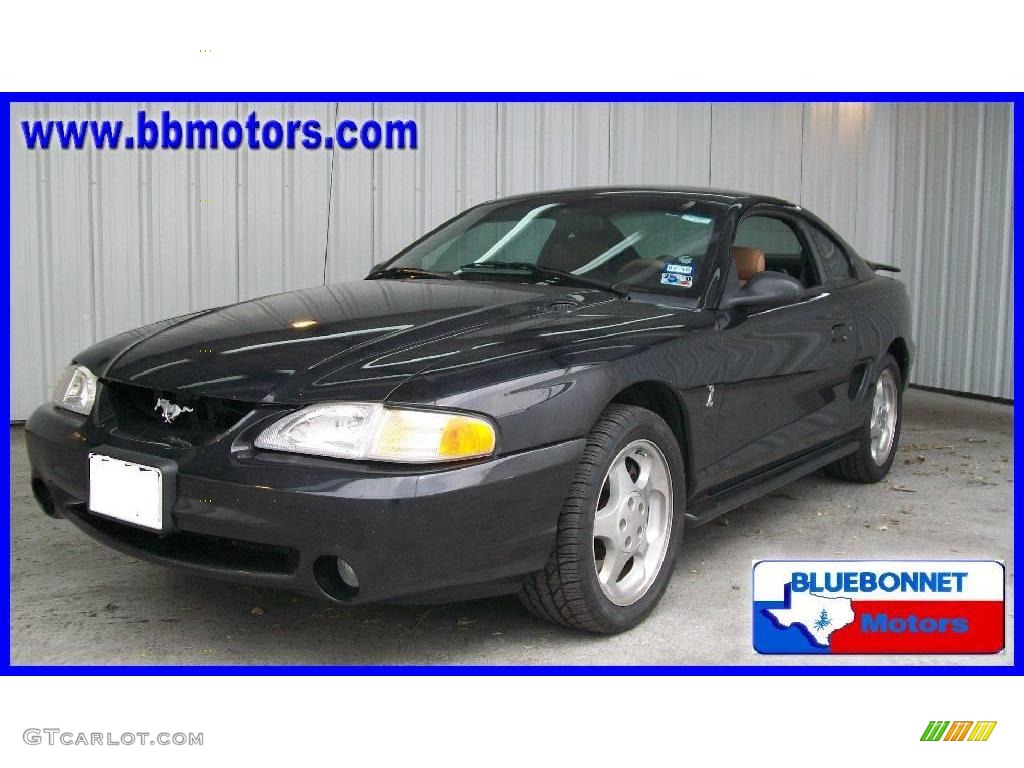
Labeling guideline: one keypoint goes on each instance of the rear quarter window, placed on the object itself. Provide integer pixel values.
(833, 257)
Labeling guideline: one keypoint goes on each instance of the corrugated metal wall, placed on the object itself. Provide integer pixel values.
(952, 231)
(104, 241)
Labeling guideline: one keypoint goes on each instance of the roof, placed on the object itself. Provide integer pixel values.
(707, 194)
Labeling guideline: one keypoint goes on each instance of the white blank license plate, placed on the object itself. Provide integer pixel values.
(126, 491)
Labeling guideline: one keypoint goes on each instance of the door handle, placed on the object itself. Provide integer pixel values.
(841, 333)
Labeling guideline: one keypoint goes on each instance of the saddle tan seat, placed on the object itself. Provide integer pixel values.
(748, 261)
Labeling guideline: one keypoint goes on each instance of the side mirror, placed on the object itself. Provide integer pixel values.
(765, 290)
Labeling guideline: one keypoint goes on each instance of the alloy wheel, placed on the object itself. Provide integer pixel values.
(883, 417)
(633, 522)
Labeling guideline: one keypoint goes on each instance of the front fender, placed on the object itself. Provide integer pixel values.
(540, 393)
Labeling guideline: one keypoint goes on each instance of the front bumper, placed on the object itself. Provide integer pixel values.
(282, 520)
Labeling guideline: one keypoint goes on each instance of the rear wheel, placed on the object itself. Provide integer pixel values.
(880, 433)
(619, 530)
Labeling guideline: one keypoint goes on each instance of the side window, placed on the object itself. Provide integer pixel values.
(783, 249)
(833, 257)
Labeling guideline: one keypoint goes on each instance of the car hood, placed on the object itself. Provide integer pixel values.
(351, 340)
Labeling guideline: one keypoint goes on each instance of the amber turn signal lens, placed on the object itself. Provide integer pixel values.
(464, 436)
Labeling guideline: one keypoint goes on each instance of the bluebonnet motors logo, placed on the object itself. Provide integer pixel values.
(882, 606)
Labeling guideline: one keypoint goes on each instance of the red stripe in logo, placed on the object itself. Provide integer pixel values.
(926, 626)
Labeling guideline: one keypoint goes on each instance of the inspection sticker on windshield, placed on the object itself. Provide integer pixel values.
(680, 269)
(879, 606)
(674, 278)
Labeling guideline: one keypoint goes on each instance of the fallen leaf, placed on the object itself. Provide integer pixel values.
(257, 611)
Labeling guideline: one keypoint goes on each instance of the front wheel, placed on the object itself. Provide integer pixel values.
(619, 530)
(880, 433)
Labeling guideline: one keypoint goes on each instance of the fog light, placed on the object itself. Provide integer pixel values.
(347, 574)
(335, 577)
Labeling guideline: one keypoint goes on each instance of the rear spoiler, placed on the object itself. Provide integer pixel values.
(879, 267)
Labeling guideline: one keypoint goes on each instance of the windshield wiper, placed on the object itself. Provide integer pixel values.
(398, 272)
(538, 271)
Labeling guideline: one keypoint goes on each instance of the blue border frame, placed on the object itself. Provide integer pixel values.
(526, 96)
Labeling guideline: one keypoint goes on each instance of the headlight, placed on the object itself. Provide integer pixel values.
(75, 389)
(375, 432)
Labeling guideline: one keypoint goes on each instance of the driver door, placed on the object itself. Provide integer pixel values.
(786, 371)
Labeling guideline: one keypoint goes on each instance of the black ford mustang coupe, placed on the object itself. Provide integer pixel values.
(539, 396)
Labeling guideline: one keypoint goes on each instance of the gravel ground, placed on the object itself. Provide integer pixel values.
(949, 496)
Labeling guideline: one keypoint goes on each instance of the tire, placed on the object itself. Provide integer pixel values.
(864, 465)
(570, 591)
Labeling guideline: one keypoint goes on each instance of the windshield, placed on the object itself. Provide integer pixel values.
(656, 243)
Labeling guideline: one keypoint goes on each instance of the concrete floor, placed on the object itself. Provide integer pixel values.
(949, 496)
